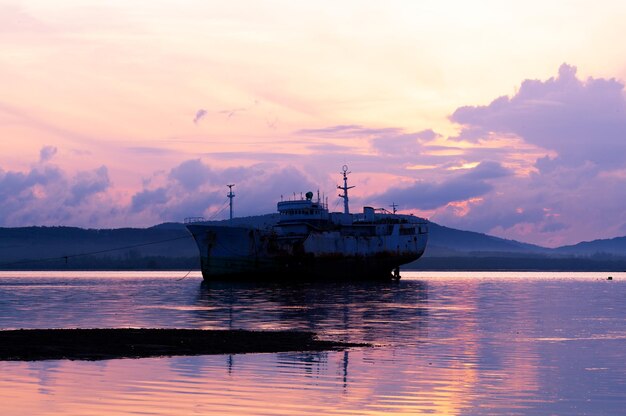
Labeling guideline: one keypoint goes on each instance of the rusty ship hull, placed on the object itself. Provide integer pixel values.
(363, 251)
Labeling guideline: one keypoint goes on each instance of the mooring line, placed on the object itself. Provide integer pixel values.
(67, 257)
(178, 280)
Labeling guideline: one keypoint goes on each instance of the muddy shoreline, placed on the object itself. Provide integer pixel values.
(104, 344)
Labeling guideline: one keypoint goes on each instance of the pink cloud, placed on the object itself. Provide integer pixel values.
(47, 153)
(476, 184)
(426, 195)
(580, 120)
(47, 195)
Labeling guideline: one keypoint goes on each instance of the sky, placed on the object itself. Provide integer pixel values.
(502, 117)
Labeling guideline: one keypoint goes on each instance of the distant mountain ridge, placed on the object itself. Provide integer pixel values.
(52, 247)
(613, 246)
(170, 245)
(447, 240)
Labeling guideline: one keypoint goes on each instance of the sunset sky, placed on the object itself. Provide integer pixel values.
(503, 117)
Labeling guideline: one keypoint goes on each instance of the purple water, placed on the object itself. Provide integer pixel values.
(444, 343)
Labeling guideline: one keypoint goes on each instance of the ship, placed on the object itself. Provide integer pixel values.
(305, 241)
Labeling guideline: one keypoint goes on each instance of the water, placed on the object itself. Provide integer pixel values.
(444, 343)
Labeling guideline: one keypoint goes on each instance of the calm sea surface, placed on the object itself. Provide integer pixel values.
(445, 343)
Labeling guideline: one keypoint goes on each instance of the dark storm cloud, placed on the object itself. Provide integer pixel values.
(153, 151)
(553, 227)
(565, 205)
(583, 123)
(191, 174)
(13, 184)
(86, 184)
(260, 193)
(430, 195)
(580, 120)
(497, 210)
(200, 114)
(46, 195)
(348, 131)
(390, 142)
(46, 153)
(260, 156)
(329, 148)
(239, 173)
(194, 189)
(179, 207)
(424, 195)
(148, 199)
(402, 144)
(486, 170)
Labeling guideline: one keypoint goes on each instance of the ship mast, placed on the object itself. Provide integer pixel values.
(344, 188)
(230, 196)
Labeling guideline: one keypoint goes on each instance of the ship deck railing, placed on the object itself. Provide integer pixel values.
(192, 220)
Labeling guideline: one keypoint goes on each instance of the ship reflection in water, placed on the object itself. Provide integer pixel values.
(453, 344)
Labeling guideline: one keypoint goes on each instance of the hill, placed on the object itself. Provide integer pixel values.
(452, 249)
(78, 248)
(607, 247)
(171, 246)
(445, 241)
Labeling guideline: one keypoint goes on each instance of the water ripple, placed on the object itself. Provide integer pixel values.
(445, 343)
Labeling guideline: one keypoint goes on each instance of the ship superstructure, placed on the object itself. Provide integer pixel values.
(307, 241)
